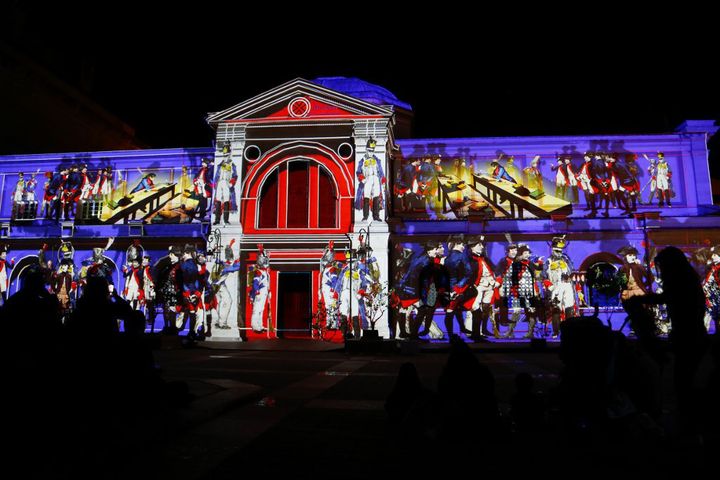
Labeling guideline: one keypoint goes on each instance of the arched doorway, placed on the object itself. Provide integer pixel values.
(603, 283)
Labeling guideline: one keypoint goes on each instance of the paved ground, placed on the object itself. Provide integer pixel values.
(309, 409)
(302, 407)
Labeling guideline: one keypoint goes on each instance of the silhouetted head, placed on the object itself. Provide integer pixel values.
(407, 376)
(675, 269)
(33, 281)
(96, 288)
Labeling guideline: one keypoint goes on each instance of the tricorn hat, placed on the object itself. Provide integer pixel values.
(431, 245)
(627, 250)
(472, 241)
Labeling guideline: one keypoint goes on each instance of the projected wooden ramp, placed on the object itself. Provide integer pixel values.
(462, 206)
(139, 204)
(501, 196)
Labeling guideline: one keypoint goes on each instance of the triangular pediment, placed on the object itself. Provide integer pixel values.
(298, 98)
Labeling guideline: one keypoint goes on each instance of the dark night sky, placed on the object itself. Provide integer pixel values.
(161, 69)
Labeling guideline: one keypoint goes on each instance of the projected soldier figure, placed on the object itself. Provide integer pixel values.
(371, 181)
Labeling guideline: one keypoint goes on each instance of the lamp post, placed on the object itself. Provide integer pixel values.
(642, 219)
(352, 255)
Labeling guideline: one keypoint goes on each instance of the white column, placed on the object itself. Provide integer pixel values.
(232, 135)
(227, 295)
(378, 241)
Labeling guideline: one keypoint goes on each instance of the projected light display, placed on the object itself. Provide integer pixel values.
(592, 184)
(90, 191)
(310, 218)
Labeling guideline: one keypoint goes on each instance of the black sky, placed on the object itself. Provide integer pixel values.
(162, 68)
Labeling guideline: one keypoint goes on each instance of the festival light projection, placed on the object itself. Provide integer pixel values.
(595, 184)
(102, 194)
(436, 281)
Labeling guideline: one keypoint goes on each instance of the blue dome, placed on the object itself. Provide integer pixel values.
(362, 90)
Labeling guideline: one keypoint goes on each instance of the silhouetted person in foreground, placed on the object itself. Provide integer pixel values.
(411, 407)
(526, 407)
(467, 391)
(407, 389)
(96, 315)
(583, 393)
(642, 322)
(33, 310)
(685, 300)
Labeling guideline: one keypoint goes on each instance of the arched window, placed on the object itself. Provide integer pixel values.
(327, 200)
(298, 194)
(298, 211)
(269, 202)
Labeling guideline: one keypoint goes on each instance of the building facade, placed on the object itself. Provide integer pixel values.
(311, 219)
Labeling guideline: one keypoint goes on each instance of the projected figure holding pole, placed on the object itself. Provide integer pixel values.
(572, 180)
(664, 174)
(221, 280)
(328, 282)
(561, 178)
(652, 183)
(208, 299)
(589, 184)
(148, 292)
(260, 290)
(133, 291)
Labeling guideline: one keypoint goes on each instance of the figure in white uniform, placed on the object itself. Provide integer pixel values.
(371, 181)
(558, 284)
(260, 290)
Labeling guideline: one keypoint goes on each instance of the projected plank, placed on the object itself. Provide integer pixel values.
(501, 195)
(145, 202)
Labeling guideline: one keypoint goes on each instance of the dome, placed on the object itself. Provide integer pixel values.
(362, 90)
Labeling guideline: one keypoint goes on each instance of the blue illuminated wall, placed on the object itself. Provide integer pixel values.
(451, 179)
(152, 186)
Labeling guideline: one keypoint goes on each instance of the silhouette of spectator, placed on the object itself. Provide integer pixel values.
(97, 313)
(526, 407)
(642, 322)
(141, 387)
(467, 391)
(411, 407)
(32, 374)
(582, 395)
(685, 300)
(34, 307)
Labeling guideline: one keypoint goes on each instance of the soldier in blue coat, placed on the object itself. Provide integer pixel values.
(459, 270)
(422, 286)
(191, 296)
